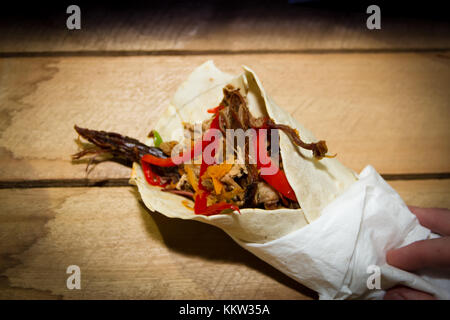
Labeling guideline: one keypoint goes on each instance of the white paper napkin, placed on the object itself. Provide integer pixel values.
(336, 254)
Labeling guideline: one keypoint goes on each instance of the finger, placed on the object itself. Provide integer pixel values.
(437, 220)
(404, 293)
(421, 254)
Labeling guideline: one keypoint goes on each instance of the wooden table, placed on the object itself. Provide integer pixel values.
(377, 97)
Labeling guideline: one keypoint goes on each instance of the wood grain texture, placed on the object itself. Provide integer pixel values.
(424, 193)
(126, 251)
(377, 97)
(230, 26)
(387, 110)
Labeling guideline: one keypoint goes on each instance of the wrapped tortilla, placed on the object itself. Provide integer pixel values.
(346, 223)
(315, 183)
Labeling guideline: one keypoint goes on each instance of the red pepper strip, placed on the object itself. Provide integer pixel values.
(218, 208)
(160, 162)
(201, 199)
(170, 162)
(216, 109)
(280, 183)
(150, 176)
(277, 180)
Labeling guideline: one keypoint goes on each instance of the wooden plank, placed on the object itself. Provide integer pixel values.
(388, 110)
(424, 193)
(125, 251)
(214, 26)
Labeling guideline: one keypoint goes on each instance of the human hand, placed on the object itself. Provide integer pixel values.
(432, 253)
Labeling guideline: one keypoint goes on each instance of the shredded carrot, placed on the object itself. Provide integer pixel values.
(187, 203)
(218, 186)
(172, 185)
(331, 156)
(216, 172)
(231, 194)
(191, 177)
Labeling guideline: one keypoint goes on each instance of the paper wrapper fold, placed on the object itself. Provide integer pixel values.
(332, 255)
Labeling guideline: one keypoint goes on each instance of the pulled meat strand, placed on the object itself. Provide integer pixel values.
(123, 147)
(117, 145)
(242, 116)
(319, 149)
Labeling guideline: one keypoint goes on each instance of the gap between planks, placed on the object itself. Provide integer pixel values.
(124, 182)
(130, 53)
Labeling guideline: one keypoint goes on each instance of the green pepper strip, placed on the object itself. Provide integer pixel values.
(157, 140)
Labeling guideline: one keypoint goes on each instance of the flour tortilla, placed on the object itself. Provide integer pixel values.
(316, 183)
